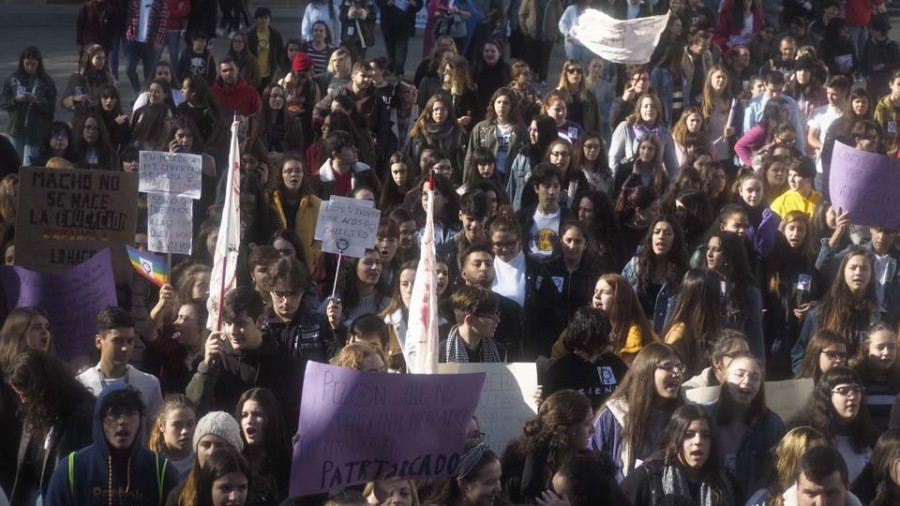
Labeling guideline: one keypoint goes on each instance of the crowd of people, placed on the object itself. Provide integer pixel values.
(635, 231)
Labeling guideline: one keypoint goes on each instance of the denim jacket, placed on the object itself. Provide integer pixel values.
(752, 457)
(664, 85)
(519, 174)
(665, 300)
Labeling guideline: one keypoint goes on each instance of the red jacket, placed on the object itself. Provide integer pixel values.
(241, 98)
(178, 12)
(726, 27)
(858, 12)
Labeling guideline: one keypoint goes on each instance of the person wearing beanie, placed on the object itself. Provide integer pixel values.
(802, 196)
(302, 92)
(216, 430)
(117, 467)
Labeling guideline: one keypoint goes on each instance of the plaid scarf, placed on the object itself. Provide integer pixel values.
(456, 349)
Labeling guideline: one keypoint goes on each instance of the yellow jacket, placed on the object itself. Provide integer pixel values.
(791, 200)
(304, 225)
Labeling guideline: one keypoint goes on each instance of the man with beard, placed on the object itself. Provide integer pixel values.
(233, 93)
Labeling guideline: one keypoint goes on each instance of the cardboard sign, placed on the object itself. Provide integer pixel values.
(357, 426)
(347, 227)
(72, 299)
(785, 398)
(506, 399)
(865, 185)
(66, 216)
(174, 173)
(169, 223)
(619, 41)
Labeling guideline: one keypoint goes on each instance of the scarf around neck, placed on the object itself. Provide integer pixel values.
(456, 349)
(674, 483)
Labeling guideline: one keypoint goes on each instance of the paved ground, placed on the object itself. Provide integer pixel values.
(52, 29)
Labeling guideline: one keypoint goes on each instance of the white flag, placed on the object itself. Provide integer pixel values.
(421, 348)
(619, 41)
(225, 260)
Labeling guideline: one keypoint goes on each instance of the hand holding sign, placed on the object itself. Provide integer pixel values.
(865, 185)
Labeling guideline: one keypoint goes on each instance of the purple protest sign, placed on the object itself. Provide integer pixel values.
(72, 299)
(358, 426)
(865, 185)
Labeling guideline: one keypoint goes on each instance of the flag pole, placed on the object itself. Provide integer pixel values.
(230, 194)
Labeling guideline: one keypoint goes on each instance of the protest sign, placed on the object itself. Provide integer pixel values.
(66, 216)
(72, 299)
(619, 41)
(169, 223)
(346, 227)
(785, 398)
(506, 399)
(865, 185)
(173, 173)
(357, 426)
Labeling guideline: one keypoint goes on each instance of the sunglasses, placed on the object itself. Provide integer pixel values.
(574, 71)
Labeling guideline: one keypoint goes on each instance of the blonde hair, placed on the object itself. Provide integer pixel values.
(346, 64)
(460, 81)
(579, 90)
(353, 355)
(7, 200)
(171, 402)
(711, 97)
(787, 458)
(369, 491)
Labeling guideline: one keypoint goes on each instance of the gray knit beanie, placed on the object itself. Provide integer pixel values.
(219, 423)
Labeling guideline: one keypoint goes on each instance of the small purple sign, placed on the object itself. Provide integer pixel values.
(358, 426)
(865, 185)
(72, 299)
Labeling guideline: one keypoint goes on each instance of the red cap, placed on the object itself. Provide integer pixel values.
(302, 62)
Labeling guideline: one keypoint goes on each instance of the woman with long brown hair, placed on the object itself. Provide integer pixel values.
(582, 105)
(646, 169)
(648, 118)
(274, 125)
(630, 423)
(687, 467)
(691, 326)
(849, 307)
(81, 90)
(562, 428)
(457, 84)
(437, 128)
(501, 132)
(717, 109)
(631, 331)
(656, 271)
(825, 350)
(689, 132)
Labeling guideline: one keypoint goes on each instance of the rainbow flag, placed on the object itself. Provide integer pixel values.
(150, 266)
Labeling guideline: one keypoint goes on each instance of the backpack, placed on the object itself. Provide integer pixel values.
(449, 24)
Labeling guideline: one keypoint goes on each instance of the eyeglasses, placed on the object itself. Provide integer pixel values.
(677, 369)
(477, 436)
(560, 154)
(292, 172)
(574, 71)
(847, 391)
(504, 244)
(835, 355)
(489, 316)
(285, 295)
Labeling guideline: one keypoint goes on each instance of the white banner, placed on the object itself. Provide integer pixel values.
(169, 223)
(619, 41)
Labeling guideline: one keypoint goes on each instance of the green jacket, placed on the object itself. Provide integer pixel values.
(32, 120)
(887, 115)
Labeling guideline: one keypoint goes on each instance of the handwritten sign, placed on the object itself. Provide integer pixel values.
(72, 299)
(66, 216)
(865, 185)
(356, 426)
(174, 173)
(169, 223)
(347, 227)
(619, 41)
(785, 398)
(506, 399)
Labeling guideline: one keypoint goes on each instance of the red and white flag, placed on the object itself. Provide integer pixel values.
(225, 260)
(421, 349)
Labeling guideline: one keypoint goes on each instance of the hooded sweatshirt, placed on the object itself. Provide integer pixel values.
(93, 476)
